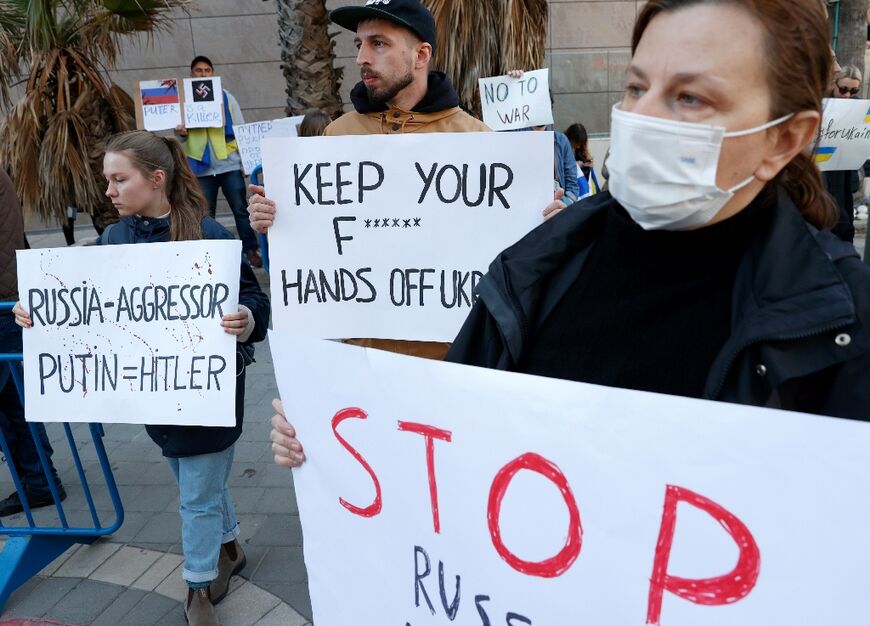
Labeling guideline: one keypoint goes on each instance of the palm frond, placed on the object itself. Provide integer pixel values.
(487, 38)
(52, 138)
(308, 57)
(20, 140)
(64, 169)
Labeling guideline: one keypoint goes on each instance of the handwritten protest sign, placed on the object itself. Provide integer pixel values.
(131, 333)
(203, 102)
(513, 103)
(844, 142)
(158, 104)
(435, 493)
(387, 236)
(248, 137)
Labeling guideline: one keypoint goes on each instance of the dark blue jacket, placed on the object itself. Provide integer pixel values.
(801, 306)
(181, 441)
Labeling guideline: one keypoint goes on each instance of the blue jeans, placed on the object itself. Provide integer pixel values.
(233, 185)
(25, 459)
(207, 515)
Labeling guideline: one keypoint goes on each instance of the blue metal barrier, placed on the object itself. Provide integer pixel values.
(30, 548)
(264, 242)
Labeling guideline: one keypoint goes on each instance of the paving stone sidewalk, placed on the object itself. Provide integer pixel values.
(134, 576)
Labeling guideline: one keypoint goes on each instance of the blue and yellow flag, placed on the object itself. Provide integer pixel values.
(824, 154)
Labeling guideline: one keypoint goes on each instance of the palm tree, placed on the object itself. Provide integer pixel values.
(52, 138)
(479, 38)
(852, 32)
(308, 57)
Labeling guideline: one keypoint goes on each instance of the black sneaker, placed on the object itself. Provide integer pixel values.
(12, 504)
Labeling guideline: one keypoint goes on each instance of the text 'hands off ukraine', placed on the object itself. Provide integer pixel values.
(386, 237)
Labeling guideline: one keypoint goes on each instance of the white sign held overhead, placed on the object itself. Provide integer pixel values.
(434, 493)
(514, 103)
(844, 138)
(131, 333)
(386, 236)
(203, 103)
(249, 136)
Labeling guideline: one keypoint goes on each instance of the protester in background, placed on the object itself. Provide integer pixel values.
(25, 458)
(586, 178)
(848, 82)
(314, 123)
(842, 184)
(214, 158)
(158, 199)
(564, 164)
(398, 94)
(718, 286)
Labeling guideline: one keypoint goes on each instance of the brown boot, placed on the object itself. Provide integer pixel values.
(231, 562)
(198, 610)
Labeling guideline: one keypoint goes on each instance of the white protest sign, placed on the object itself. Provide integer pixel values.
(203, 103)
(131, 333)
(513, 103)
(248, 137)
(844, 140)
(434, 492)
(158, 104)
(386, 236)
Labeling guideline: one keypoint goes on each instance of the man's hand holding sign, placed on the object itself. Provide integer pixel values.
(392, 246)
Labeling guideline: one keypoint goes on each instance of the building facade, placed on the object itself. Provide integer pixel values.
(587, 52)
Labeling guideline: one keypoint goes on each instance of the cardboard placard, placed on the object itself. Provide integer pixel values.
(249, 136)
(514, 103)
(387, 235)
(434, 494)
(203, 103)
(844, 139)
(158, 104)
(131, 333)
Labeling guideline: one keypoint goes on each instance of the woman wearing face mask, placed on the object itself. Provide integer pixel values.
(703, 272)
(159, 199)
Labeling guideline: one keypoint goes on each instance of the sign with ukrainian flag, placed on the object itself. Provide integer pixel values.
(844, 138)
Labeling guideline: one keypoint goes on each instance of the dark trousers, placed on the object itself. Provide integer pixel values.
(25, 458)
(233, 186)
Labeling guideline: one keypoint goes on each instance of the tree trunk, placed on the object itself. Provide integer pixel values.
(852, 39)
(308, 57)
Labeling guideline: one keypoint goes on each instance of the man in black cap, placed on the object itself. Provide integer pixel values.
(398, 93)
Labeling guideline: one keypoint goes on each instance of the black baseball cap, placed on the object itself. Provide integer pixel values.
(408, 13)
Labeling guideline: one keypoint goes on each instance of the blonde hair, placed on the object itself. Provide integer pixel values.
(851, 72)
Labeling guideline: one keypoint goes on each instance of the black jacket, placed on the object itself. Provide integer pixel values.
(182, 441)
(842, 185)
(801, 303)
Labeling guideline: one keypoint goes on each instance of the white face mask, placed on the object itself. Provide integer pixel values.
(664, 171)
